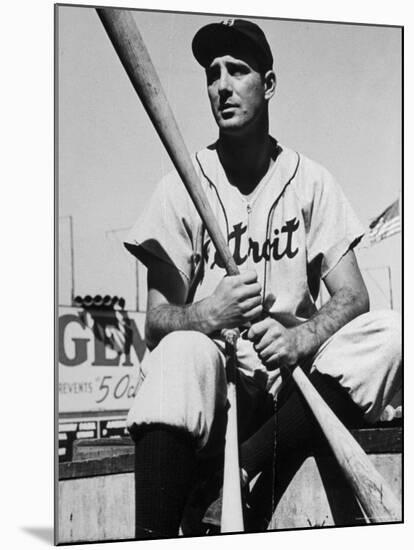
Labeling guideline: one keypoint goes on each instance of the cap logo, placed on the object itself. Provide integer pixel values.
(228, 22)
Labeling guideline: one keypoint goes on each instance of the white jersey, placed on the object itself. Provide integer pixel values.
(292, 231)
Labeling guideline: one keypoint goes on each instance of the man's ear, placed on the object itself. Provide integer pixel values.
(269, 80)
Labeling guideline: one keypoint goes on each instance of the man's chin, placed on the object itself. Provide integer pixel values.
(230, 125)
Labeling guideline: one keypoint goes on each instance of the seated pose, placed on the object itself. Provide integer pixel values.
(289, 227)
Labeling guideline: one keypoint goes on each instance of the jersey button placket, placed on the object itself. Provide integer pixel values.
(248, 209)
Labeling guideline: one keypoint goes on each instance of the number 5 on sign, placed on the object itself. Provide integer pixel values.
(110, 388)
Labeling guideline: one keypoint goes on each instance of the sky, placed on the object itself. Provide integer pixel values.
(338, 101)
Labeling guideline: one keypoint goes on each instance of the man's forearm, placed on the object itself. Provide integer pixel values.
(342, 307)
(167, 318)
(235, 301)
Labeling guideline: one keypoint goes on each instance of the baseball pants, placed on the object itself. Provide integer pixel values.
(185, 383)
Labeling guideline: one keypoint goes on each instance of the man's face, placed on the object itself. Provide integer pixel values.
(237, 92)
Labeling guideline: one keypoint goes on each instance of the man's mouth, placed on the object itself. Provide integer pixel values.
(227, 106)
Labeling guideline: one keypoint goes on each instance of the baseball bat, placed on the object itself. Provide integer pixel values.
(232, 508)
(129, 45)
(376, 499)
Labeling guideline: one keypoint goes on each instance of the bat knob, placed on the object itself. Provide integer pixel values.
(230, 335)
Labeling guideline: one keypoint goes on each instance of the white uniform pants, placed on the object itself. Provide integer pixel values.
(185, 381)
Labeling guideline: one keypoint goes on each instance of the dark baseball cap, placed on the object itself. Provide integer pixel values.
(216, 38)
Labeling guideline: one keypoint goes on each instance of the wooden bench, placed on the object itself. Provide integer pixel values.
(96, 490)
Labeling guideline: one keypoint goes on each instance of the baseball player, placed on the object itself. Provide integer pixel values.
(289, 227)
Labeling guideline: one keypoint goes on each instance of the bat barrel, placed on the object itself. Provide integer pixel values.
(130, 47)
(377, 500)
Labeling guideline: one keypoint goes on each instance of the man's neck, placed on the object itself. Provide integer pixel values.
(246, 159)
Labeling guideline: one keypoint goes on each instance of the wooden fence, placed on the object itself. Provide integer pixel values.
(96, 490)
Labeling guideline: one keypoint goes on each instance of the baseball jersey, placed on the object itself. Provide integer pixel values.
(292, 230)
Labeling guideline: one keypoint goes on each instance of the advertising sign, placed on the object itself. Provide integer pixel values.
(100, 352)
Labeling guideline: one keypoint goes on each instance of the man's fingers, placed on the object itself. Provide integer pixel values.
(258, 329)
(266, 340)
(248, 276)
(273, 362)
(268, 325)
(251, 303)
(254, 313)
(251, 290)
(246, 284)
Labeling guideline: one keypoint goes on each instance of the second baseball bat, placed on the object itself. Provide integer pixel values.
(377, 500)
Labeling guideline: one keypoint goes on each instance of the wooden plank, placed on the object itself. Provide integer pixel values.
(97, 467)
(87, 449)
(372, 440)
(102, 508)
(319, 496)
(380, 440)
(104, 442)
(97, 509)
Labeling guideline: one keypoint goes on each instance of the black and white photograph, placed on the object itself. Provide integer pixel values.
(229, 285)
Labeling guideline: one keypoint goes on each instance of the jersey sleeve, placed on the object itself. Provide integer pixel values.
(167, 228)
(332, 227)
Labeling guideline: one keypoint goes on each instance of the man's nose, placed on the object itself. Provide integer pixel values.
(224, 83)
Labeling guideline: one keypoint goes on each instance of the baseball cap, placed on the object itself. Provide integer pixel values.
(215, 38)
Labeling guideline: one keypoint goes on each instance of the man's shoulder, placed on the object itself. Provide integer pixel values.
(312, 177)
(306, 164)
(311, 180)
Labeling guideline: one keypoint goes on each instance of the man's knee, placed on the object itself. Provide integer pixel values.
(186, 341)
(388, 324)
(383, 342)
(187, 353)
(184, 387)
(365, 356)
(390, 321)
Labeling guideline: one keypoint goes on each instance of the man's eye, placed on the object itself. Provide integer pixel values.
(238, 70)
(212, 76)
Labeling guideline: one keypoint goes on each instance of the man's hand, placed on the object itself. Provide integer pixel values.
(276, 345)
(235, 301)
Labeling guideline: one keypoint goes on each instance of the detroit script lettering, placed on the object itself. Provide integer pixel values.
(279, 245)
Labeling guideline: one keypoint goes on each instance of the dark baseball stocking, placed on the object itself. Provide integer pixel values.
(297, 429)
(164, 471)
